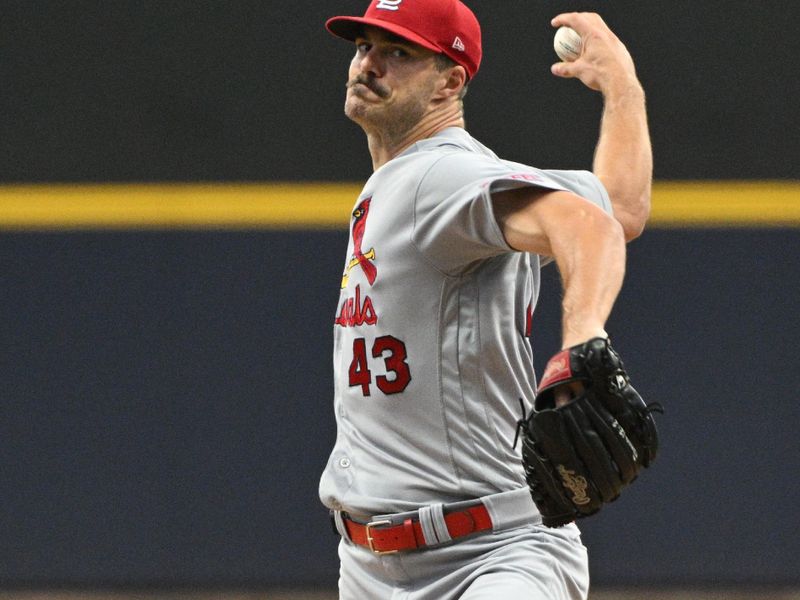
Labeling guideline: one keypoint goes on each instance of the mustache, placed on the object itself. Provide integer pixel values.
(370, 82)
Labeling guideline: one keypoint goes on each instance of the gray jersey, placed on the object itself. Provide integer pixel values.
(431, 348)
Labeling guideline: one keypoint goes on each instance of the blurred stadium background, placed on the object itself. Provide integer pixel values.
(175, 184)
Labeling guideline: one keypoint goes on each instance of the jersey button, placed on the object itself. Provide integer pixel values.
(344, 462)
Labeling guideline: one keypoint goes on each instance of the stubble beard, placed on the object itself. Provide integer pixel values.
(392, 122)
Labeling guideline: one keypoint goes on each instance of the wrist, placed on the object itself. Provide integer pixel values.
(573, 339)
(624, 90)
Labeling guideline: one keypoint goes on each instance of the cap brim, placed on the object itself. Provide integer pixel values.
(349, 28)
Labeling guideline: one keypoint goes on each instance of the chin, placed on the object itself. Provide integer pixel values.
(356, 110)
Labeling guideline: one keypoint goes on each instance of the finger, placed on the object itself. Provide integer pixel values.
(576, 387)
(581, 22)
(566, 393)
(562, 396)
(564, 69)
(567, 19)
(575, 20)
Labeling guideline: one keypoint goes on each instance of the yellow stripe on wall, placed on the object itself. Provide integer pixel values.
(726, 203)
(328, 205)
(183, 206)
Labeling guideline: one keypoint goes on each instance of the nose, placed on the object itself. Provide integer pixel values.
(370, 63)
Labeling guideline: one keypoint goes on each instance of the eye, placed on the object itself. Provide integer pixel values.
(398, 53)
(362, 47)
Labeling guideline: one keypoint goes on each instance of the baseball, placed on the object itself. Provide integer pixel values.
(567, 44)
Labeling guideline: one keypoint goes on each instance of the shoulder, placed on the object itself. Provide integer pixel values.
(453, 168)
(585, 184)
(451, 159)
(475, 173)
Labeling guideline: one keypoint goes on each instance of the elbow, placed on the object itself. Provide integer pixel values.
(633, 227)
(634, 216)
(616, 231)
(603, 228)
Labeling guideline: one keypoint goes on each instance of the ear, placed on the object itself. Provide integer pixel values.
(454, 80)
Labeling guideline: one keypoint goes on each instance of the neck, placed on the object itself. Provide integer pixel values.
(385, 144)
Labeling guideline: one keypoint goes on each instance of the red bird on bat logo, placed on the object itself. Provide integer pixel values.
(361, 258)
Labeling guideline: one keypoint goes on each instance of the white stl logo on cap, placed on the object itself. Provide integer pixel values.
(442, 26)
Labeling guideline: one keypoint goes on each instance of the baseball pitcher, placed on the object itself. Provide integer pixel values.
(432, 494)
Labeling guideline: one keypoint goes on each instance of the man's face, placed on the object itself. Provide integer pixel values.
(391, 81)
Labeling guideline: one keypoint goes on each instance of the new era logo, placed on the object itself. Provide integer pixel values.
(458, 44)
(389, 4)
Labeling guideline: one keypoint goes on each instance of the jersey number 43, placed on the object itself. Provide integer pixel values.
(393, 353)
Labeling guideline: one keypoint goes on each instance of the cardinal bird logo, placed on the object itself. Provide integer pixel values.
(361, 258)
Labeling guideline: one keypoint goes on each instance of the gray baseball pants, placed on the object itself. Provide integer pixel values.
(531, 562)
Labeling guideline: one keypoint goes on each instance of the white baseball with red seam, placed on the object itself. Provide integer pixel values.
(567, 44)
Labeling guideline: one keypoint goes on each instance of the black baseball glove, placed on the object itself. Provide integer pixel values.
(579, 456)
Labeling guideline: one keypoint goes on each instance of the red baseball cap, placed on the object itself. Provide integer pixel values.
(443, 26)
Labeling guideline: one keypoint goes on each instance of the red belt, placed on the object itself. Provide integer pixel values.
(382, 537)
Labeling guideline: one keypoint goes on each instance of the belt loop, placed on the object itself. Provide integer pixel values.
(427, 526)
(439, 524)
(340, 526)
(511, 509)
